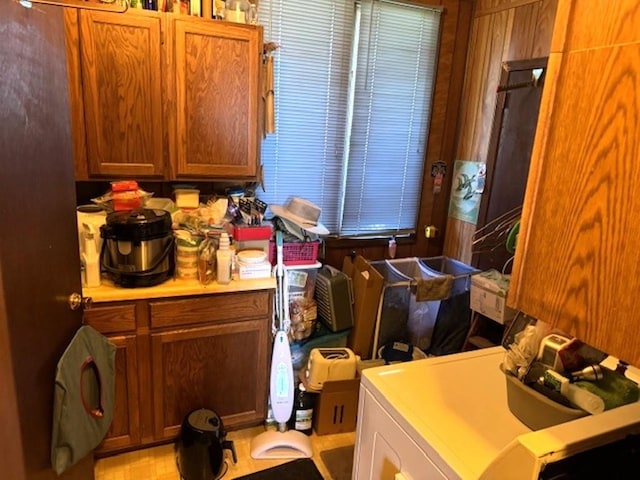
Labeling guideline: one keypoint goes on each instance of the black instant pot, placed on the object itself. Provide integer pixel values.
(137, 250)
(200, 446)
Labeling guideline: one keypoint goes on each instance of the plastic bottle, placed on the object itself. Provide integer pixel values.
(91, 260)
(223, 259)
(302, 414)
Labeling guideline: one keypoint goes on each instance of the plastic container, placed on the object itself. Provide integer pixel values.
(237, 11)
(187, 198)
(91, 261)
(303, 311)
(223, 260)
(125, 195)
(295, 253)
(253, 264)
(186, 259)
(534, 409)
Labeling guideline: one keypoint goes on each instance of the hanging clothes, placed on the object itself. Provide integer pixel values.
(84, 397)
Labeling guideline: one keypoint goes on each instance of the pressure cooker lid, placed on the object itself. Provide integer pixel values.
(139, 224)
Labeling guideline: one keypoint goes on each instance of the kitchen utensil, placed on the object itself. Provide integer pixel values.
(200, 446)
(138, 247)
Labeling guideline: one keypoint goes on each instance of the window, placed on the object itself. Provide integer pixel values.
(353, 82)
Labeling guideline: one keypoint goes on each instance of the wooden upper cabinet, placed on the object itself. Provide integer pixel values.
(156, 95)
(122, 93)
(216, 72)
(576, 263)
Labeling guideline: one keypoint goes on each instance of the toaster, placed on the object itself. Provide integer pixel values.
(329, 364)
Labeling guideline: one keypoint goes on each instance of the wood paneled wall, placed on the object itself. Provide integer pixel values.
(501, 30)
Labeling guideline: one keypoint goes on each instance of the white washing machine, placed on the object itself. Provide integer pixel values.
(448, 418)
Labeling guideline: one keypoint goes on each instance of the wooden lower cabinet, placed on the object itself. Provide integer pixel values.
(177, 355)
(219, 367)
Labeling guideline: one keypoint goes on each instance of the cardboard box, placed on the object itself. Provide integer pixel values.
(336, 407)
(367, 285)
(254, 270)
(489, 296)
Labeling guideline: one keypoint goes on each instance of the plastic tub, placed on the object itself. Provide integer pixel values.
(188, 198)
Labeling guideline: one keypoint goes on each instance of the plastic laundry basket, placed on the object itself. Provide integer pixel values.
(400, 317)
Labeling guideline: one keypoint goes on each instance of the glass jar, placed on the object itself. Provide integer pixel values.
(237, 11)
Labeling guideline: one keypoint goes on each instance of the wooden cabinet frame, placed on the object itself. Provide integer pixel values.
(162, 96)
(235, 326)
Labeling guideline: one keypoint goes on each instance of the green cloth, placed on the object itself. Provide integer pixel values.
(84, 397)
(615, 389)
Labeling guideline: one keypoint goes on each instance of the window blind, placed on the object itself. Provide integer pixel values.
(351, 123)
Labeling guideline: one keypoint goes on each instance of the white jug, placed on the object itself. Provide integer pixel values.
(90, 256)
(91, 215)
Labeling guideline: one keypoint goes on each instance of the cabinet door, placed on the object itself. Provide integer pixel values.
(125, 427)
(221, 367)
(120, 63)
(118, 322)
(576, 263)
(217, 75)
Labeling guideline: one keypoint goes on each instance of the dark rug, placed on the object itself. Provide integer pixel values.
(339, 462)
(301, 468)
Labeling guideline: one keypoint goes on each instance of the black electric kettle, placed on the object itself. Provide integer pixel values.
(200, 446)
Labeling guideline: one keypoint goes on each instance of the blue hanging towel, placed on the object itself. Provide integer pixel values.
(84, 397)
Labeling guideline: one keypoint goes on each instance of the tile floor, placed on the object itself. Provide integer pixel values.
(159, 463)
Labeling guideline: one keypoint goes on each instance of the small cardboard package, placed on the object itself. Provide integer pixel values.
(337, 407)
(489, 291)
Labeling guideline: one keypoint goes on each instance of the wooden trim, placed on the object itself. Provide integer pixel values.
(11, 434)
(507, 5)
(128, 344)
(76, 101)
(87, 5)
(214, 308)
(507, 69)
(535, 172)
(112, 318)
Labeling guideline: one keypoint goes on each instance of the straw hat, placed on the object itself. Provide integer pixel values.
(302, 213)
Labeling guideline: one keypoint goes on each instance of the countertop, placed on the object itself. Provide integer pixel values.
(108, 292)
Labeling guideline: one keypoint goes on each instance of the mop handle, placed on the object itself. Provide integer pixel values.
(279, 255)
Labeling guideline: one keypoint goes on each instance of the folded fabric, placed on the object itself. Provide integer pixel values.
(433, 288)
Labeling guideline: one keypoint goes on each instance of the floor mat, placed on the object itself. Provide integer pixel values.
(301, 468)
(339, 462)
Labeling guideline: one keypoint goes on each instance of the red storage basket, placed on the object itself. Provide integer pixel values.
(295, 253)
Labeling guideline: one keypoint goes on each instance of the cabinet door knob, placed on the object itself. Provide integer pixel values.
(77, 301)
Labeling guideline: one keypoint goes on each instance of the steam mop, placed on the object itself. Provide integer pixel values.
(283, 443)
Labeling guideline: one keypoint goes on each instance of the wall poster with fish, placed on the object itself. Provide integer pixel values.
(466, 190)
